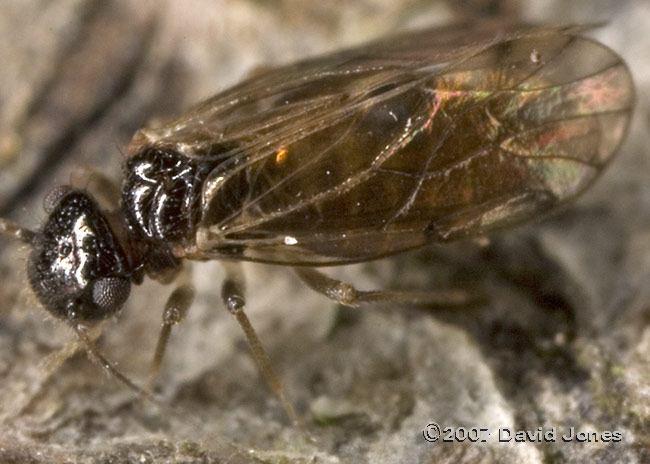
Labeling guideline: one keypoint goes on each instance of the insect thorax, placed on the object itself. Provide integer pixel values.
(161, 196)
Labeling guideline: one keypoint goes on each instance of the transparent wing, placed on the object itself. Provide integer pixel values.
(291, 102)
(430, 136)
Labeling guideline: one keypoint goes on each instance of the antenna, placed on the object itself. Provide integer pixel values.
(9, 227)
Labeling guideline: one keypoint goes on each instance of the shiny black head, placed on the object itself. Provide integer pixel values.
(77, 268)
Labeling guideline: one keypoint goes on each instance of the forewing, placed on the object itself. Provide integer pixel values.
(291, 102)
(431, 136)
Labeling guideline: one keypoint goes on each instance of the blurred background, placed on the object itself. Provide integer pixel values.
(564, 340)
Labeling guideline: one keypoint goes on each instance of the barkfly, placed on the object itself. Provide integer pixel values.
(426, 137)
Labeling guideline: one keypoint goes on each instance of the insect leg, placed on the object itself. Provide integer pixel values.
(232, 292)
(176, 308)
(345, 294)
(48, 368)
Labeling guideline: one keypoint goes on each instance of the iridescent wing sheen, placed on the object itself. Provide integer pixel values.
(430, 136)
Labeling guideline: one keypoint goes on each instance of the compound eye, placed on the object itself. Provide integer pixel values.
(54, 197)
(110, 293)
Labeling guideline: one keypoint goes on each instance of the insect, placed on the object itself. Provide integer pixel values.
(430, 136)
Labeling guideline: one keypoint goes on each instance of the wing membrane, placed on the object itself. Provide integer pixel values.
(434, 135)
